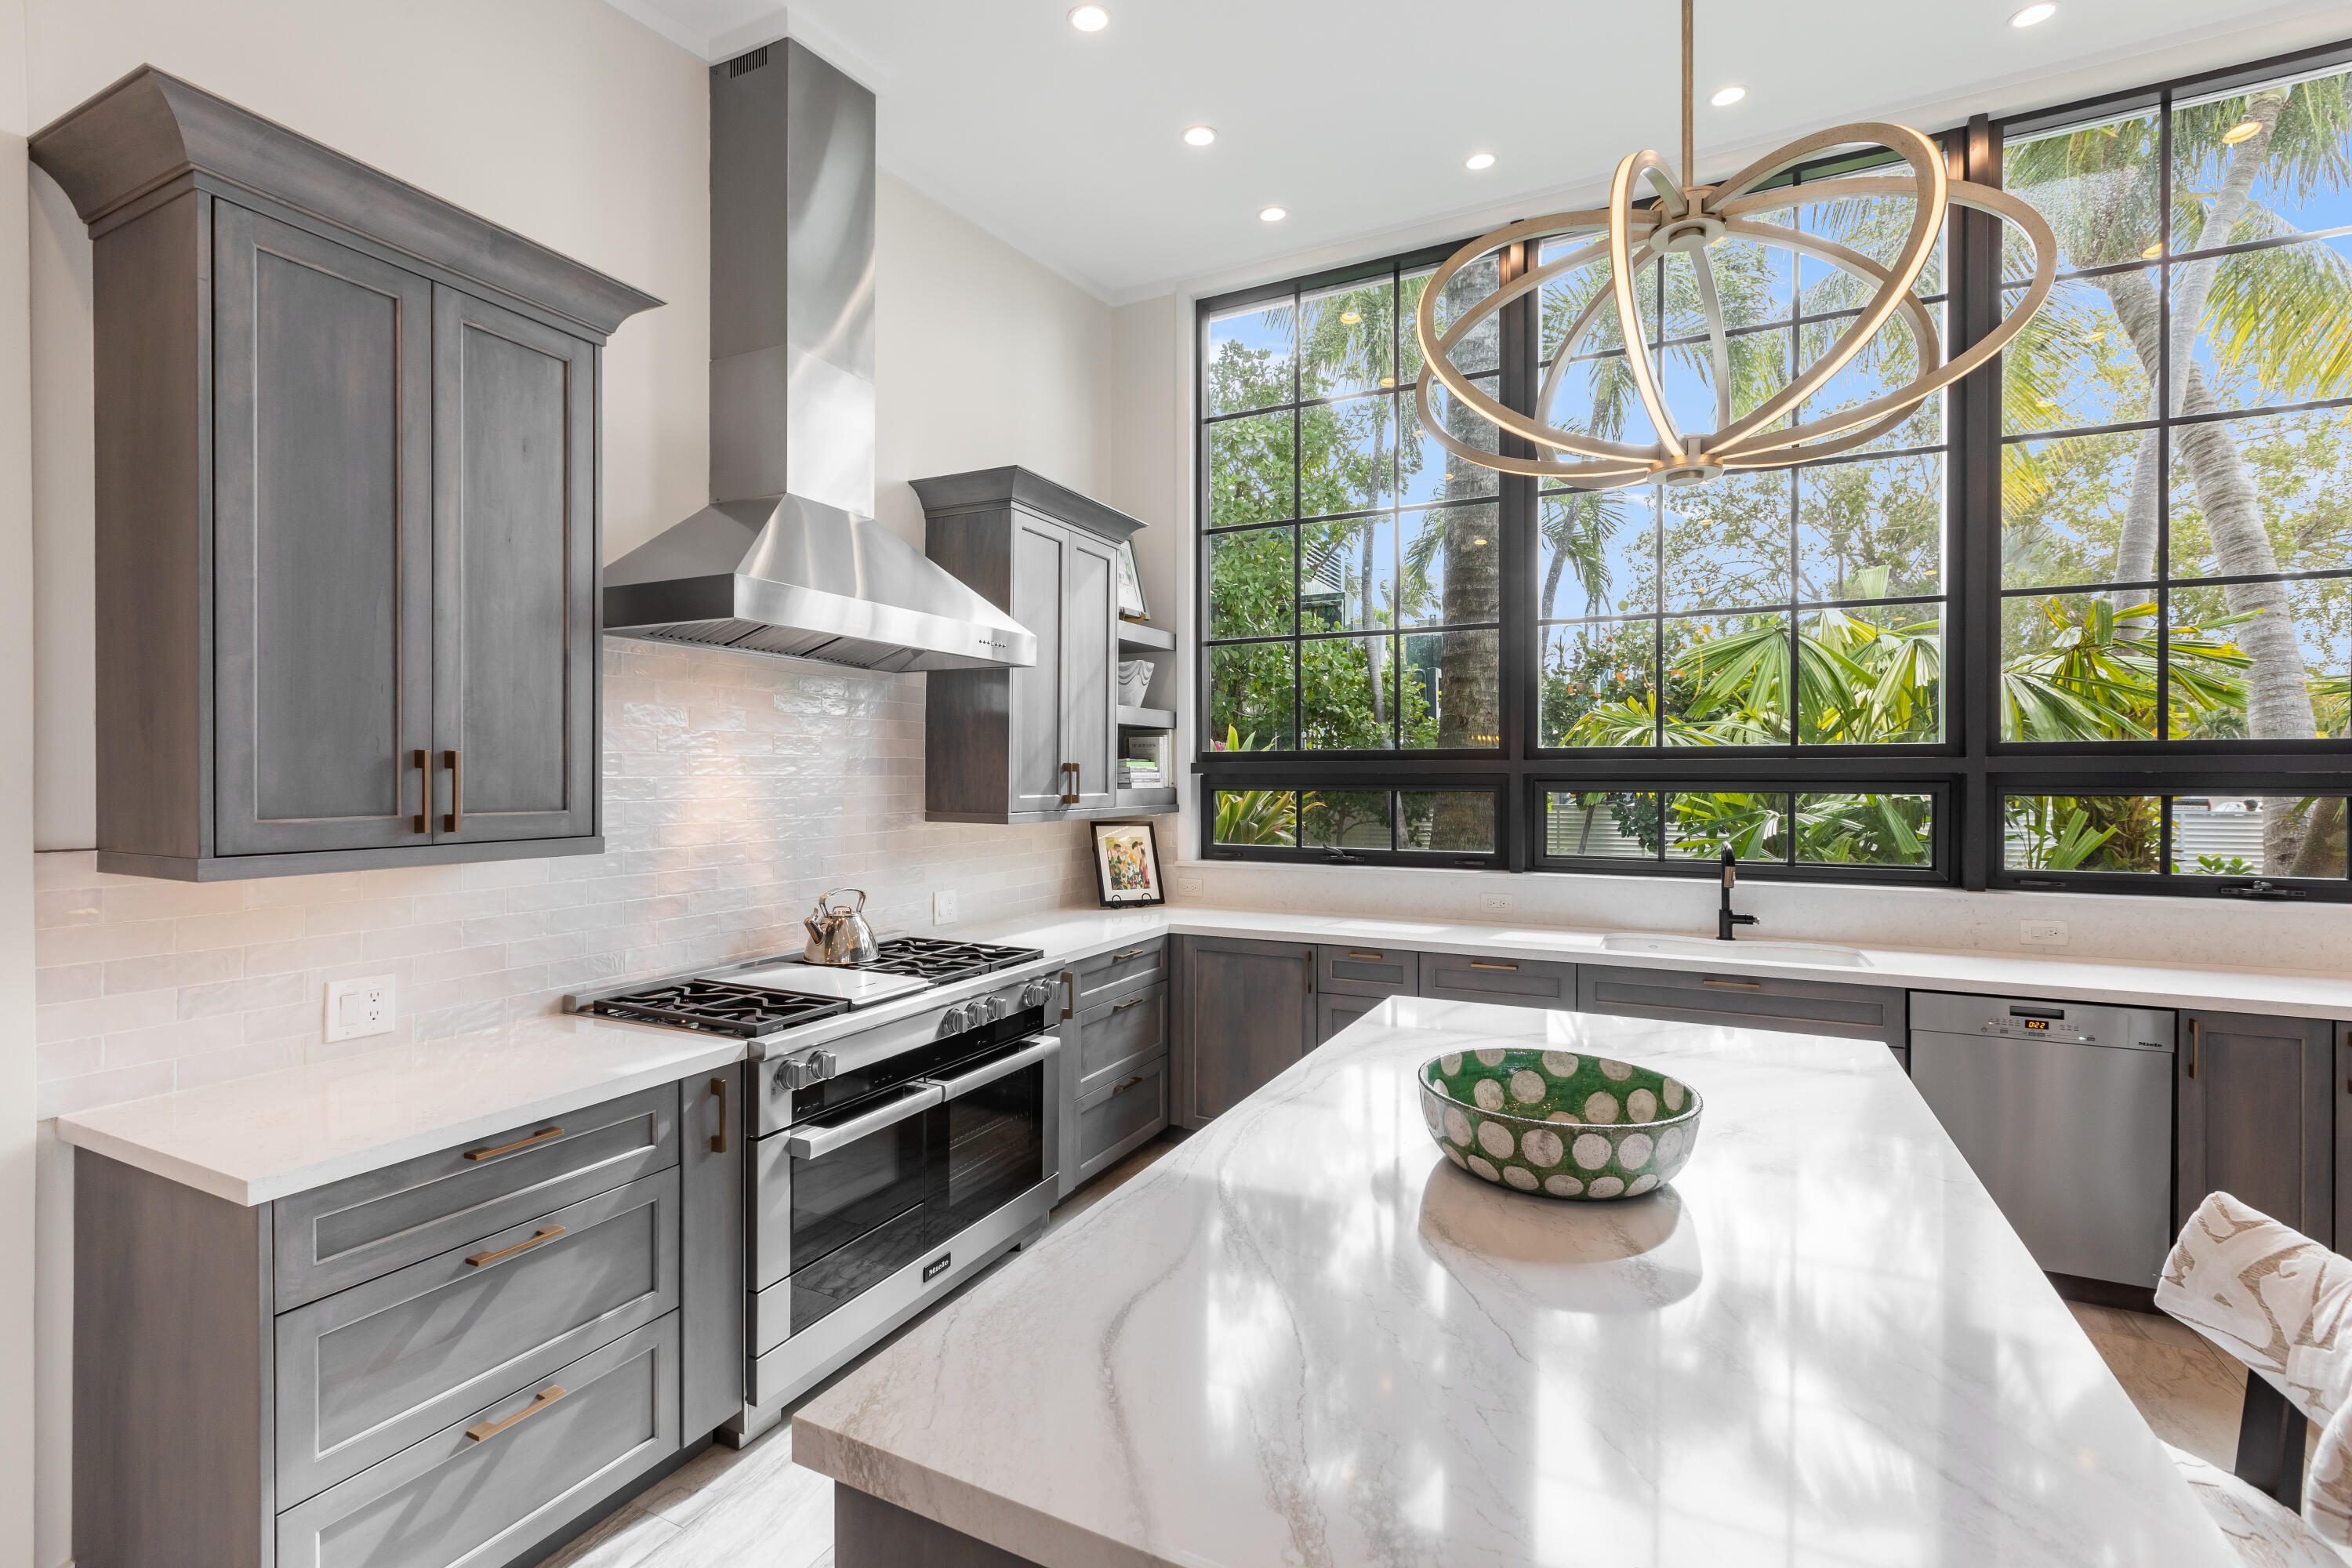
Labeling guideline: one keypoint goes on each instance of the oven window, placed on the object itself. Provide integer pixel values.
(994, 1139)
(841, 1195)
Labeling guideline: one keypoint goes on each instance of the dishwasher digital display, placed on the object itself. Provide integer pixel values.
(2037, 1023)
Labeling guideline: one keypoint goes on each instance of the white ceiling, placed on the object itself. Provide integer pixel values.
(1356, 114)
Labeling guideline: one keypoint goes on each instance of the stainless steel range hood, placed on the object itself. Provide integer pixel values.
(788, 559)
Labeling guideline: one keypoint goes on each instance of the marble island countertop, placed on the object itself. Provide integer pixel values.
(1302, 1337)
(253, 1140)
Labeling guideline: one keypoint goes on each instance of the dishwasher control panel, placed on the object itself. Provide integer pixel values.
(2063, 1023)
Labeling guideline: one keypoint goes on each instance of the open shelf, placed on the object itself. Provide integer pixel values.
(1146, 717)
(1162, 799)
(1136, 637)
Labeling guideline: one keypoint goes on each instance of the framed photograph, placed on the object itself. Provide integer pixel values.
(1130, 586)
(1127, 864)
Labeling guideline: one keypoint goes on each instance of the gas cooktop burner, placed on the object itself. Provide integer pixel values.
(934, 958)
(718, 1008)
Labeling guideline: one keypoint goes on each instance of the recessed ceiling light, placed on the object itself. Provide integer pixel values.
(1724, 97)
(1198, 136)
(1089, 19)
(2033, 13)
(1479, 161)
(2243, 131)
(1272, 215)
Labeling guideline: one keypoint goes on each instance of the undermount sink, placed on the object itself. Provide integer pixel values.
(1732, 953)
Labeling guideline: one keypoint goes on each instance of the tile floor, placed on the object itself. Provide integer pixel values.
(754, 1508)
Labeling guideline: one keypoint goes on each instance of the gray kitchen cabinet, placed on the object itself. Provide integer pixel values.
(1039, 743)
(1242, 1011)
(1360, 969)
(458, 1359)
(2254, 1116)
(1115, 1022)
(347, 504)
(2341, 1092)
(1509, 982)
(1747, 1000)
(1121, 1117)
(1335, 1010)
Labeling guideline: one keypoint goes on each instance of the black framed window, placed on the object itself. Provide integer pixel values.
(2084, 621)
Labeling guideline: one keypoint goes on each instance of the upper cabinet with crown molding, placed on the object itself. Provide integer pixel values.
(348, 515)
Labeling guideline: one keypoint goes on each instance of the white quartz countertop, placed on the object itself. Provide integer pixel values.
(2283, 993)
(1302, 1337)
(253, 1140)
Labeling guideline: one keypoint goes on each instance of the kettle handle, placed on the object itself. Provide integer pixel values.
(824, 903)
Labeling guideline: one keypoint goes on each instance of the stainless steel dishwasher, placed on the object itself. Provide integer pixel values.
(2065, 1114)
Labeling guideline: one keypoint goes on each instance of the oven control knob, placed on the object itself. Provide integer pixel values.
(956, 1019)
(799, 1072)
(1036, 993)
(998, 1008)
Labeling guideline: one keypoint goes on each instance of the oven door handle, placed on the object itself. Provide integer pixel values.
(819, 1142)
(1036, 1051)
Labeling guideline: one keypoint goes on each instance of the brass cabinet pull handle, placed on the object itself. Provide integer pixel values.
(541, 1136)
(1069, 783)
(456, 807)
(2192, 1048)
(1069, 993)
(1352, 953)
(1130, 953)
(1127, 1083)
(1482, 964)
(484, 1431)
(422, 762)
(1123, 1006)
(544, 1233)
(718, 1140)
(1735, 984)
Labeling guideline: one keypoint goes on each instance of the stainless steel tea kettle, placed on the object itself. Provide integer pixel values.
(839, 936)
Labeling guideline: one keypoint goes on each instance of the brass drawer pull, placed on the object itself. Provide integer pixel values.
(541, 1136)
(1352, 953)
(1069, 783)
(484, 1431)
(1482, 964)
(1130, 953)
(1070, 993)
(1123, 1006)
(2192, 1048)
(544, 1233)
(423, 762)
(457, 787)
(718, 1140)
(1735, 984)
(1127, 1083)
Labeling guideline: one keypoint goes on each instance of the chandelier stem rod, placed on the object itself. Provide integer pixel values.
(1689, 182)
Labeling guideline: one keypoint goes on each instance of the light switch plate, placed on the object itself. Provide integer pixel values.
(943, 908)
(1494, 903)
(2042, 933)
(357, 1008)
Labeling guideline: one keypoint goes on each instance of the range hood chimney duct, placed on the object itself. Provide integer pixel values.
(788, 559)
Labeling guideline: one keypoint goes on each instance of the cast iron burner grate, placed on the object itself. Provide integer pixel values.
(716, 1007)
(937, 959)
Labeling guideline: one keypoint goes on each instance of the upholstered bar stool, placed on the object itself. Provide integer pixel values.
(2282, 1303)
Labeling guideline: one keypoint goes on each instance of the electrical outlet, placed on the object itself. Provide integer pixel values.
(943, 908)
(359, 1007)
(1494, 903)
(2043, 934)
(1188, 887)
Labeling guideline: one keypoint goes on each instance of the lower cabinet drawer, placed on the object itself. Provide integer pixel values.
(492, 1483)
(368, 1371)
(1512, 982)
(1333, 1014)
(1116, 1033)
(1356, 970)
(1096, 977)
(1747, 1000)
(1119, 1116)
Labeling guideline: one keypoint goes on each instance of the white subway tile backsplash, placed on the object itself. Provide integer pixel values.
(736, 791)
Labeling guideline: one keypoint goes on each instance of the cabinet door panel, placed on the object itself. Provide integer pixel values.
(1246, 1012)
(2256, 1117)
(323, 444)
(515, 556)
(1040, 558)
(1090, 653)
(1334, 1011)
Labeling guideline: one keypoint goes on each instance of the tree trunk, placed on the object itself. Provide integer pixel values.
(2135, 551)
(1469, 674)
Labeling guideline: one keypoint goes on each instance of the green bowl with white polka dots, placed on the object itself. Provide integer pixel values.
(1560, 1123)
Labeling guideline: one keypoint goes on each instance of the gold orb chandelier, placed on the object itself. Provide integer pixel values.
(1686, 218)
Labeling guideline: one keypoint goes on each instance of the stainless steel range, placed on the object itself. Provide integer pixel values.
(905, 1119)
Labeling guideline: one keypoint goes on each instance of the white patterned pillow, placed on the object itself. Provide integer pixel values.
(2282, 1303)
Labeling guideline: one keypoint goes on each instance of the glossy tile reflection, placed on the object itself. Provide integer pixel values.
(1301, 1337)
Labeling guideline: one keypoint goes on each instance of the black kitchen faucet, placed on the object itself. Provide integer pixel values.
(1724, 920)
